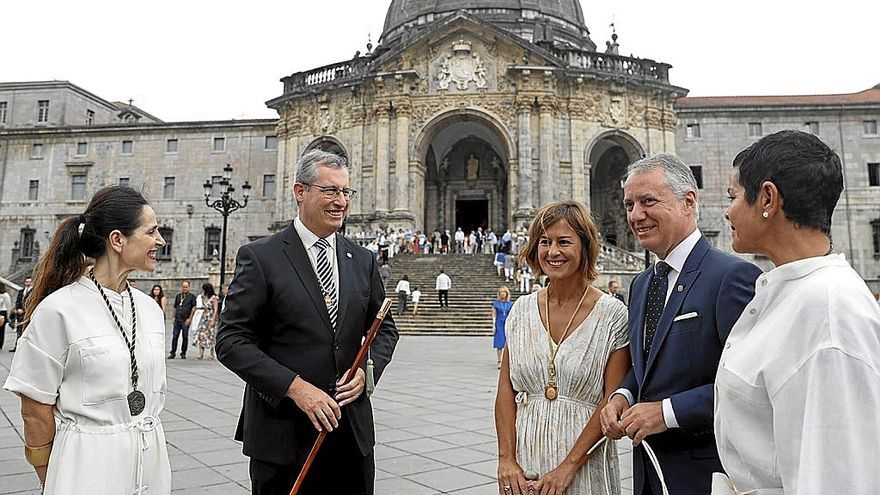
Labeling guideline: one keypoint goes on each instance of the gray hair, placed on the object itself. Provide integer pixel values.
(679, 177)
(306, 170)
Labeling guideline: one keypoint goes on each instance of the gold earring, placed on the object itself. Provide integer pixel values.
(765, 214)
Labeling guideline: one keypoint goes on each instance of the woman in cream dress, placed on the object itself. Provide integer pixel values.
(566, 352)
(74, 367)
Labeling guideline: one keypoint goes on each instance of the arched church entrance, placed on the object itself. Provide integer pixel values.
(609, 156)
(466, 157)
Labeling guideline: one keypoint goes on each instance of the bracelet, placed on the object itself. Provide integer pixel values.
(38, 456)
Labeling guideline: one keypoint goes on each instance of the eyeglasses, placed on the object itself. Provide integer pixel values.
(331, 192)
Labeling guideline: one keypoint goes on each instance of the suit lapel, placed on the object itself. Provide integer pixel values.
(689, 272)
(344, 264)
(296, 254)
(638, 302)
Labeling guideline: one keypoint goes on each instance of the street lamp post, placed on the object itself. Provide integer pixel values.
(225, 204)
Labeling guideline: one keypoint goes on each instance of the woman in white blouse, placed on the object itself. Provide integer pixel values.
(90, 367)
(798, 387)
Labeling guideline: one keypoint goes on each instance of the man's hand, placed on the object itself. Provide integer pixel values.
(323, 411)
(186, 322)
(347, 393)
(610, 417)
(642, 420)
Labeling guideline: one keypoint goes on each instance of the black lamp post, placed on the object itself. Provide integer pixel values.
(225, 204)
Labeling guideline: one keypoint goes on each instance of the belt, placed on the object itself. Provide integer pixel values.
(523, 398)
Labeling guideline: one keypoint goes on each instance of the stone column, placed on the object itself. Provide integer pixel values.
(578, 142)
(524, 205)
(441, 203)
(401, 161)
(548, 151)
(380, 171)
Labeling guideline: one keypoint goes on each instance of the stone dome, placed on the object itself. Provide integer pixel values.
(558, 21)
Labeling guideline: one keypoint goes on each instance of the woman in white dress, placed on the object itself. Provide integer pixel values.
(566, 353)
(203, 322)
(92, 356)
(797, 394)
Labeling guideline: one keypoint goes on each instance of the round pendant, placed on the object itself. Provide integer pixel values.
(550, 392)
(136, 402)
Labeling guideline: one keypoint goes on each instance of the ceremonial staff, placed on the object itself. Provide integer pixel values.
(362, 353)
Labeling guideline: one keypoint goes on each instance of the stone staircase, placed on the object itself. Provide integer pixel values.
(474, 287)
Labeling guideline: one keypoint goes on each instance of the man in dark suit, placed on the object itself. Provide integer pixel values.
(614, 290)
(680, 314)
(294, 316)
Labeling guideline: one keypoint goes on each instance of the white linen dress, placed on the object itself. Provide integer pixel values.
(546, 430)
(798, 388)
(73, 356)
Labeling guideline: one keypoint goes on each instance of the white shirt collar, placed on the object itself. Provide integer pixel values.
(679, 254)
(308, 237)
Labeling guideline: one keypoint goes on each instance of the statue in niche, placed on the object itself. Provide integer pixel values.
(496, 164)
(473, 168)
(444, 166)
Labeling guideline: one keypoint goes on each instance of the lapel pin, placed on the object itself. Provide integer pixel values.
(348, 254)
(680, 288)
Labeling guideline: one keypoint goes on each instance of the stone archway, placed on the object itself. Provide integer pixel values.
(609, 155)
(466, 156)
(329, 144)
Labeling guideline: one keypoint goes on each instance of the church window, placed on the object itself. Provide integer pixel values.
(43, 111)
(82, 149)
(755, 129)
(124, 181)
(171, 146)
(37, 151)
(212, 242)
(693, 131)
(271, 143)
(90, 117)
(269, 186)
(874, 174)
(127, 147)
(219, 144)
(812, 128)
(3, 106)
(27, 244)
(875, 234)
(168, 189)
(78, 187)
(870, 127)
(33, 190)
(698, 175)
(167, 233)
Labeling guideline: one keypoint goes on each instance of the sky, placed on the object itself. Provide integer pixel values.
(196, 60)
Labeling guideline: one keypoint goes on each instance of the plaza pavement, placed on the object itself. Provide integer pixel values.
(433, 411)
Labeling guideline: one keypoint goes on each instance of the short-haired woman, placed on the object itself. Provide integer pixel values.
(92, 356)
(566, 353)
(797, 394)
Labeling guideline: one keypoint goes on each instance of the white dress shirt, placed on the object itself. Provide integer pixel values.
(798, 388)
(676, 260)
(443, 282)
(309, 239)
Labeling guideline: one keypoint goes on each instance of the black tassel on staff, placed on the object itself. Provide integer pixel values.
(362, 353)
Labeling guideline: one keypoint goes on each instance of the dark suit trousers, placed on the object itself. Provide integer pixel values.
(339, 468)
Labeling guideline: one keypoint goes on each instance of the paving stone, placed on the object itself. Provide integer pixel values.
(450, 479)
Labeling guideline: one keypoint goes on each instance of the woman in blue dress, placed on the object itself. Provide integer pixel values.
(500, 309)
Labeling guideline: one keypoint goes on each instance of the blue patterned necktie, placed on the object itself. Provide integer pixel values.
(325, 278)
(656, 303)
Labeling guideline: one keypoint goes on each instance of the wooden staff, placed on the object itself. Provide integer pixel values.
(362, 353)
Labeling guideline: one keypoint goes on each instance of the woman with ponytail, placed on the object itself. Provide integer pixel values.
(92, 356)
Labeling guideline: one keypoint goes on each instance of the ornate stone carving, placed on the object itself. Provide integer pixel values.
(461, 68)
(473, 168)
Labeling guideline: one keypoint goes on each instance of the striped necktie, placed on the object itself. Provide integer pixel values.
(325, 278)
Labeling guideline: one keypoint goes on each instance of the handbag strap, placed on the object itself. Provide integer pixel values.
(656, 463)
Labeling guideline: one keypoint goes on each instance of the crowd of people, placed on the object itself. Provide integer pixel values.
(727, 380)
(388, 243)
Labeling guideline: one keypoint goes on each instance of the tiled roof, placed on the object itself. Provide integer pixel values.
(871, 95)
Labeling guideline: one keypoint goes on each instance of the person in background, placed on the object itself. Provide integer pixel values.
(184, 308)
(204, 321)
(385, 273)
(509, 265)
(566, 353)
(524, 277)
(500, 310)
(89, 369)
(5, 307)
(614, 290)
(442, 285)
(416, 297)
(499, 262)
(402, 291)
(797, 394)
(158, 295)
(18, 315)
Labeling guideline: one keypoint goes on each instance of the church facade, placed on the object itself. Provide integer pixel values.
(473, 114)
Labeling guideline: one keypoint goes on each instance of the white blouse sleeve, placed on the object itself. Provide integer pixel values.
(826, 424)
(38, 365)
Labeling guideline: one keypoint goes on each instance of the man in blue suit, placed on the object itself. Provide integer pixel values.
(680, 314)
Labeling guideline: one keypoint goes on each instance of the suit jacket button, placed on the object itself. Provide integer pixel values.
(336, 346)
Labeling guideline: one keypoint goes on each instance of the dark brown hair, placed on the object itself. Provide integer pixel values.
(580, 220)
(71, 250)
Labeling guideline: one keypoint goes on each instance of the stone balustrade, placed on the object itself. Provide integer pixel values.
(333, 73)
(616, 259)
(614, 64)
